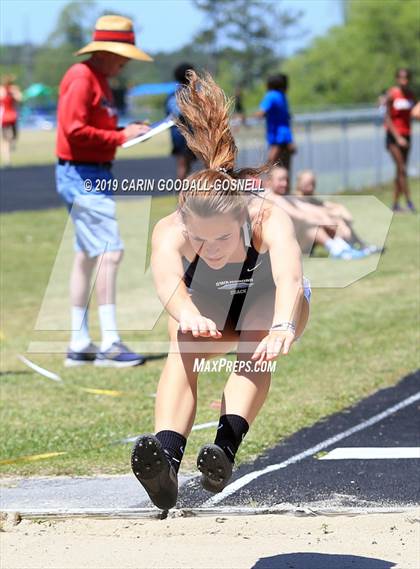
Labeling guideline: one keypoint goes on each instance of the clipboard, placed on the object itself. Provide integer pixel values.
(156, 128)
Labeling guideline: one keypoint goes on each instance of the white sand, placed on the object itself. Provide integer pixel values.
(380, 541)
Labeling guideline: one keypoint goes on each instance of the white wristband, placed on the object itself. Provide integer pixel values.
(283, 327)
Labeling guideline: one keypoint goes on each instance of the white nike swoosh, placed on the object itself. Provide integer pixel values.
(253, 269)
(219, 427)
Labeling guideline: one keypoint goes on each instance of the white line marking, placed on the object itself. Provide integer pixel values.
(205, 425)
(39, 369)
(371, 453)
(195, 428)
(241, 482)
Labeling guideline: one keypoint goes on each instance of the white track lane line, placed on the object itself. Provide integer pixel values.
(195, 428)
(39, 369)
(241, 482)
(205, 425)
(371, 453)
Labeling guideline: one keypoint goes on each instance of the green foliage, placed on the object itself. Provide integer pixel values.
(354, 63)
(241, 43)
(74, 26)
(246, 34)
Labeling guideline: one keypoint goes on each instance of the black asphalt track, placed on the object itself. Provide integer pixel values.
(33, 187)
(336, 483)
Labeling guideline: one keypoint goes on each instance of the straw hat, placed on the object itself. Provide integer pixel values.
(115, 34)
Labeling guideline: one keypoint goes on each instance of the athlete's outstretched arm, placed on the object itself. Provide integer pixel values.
(168, 272)
(279, 236)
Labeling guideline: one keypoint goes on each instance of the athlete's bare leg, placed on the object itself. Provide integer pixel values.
(400, 157)
(176, 399)
(245, 392)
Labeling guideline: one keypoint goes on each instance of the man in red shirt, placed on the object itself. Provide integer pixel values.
(399, 105)
(87, 140)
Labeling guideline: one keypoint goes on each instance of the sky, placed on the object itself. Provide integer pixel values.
(162, 25)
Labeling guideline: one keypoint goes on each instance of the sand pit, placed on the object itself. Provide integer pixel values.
(370, 541)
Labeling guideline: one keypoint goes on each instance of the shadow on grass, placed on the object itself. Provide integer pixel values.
(151, 357)
(18, 372)
(320, 561)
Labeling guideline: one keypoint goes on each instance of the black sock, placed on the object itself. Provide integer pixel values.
(174, 446)
(230, 433)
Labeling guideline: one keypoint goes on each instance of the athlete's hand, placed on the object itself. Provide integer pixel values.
(402, 142)
(198, 325)
(134, 129)
(274, 344)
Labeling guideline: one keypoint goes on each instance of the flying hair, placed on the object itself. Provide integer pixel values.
(205, 110)
(204, 122)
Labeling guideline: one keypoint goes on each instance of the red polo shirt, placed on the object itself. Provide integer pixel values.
(86, 117)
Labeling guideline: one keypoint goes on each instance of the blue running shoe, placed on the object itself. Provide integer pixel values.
(118, 355)
(396, 208)
(411, 207)
(82, 357)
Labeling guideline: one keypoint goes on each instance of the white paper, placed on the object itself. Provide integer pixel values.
(156, 129)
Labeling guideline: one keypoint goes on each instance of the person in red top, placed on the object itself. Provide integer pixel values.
(400, 102)
(10, 96)
(87, 139)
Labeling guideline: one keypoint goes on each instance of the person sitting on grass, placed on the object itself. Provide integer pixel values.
(313, 225)
(228, 270)
(343, 219)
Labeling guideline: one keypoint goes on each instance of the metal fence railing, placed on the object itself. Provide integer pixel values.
(346, 149)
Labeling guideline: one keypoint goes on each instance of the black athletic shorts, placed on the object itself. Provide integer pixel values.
(390, 139)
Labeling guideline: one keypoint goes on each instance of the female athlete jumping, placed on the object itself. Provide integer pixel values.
(227, 268)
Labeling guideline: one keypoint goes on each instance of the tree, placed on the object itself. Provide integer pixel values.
(355, 62)
(74, 26)
(248, 33)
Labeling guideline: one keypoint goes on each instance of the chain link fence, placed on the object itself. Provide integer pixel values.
(346, 149)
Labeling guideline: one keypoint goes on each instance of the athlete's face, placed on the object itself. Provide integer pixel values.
(307, 185)
(403, 79)
(215, 239)
(278, 181)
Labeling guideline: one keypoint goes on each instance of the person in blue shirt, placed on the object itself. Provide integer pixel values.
(184, 156)
(275, 109)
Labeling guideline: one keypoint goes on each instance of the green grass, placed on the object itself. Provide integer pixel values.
(38, 147)
(359, 339)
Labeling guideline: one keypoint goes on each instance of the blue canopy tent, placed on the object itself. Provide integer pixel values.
(152, 89)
